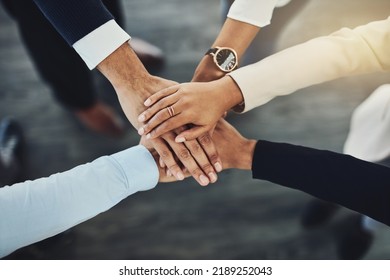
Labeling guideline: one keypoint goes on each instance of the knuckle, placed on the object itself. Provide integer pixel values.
(160, 117)
(206, 166)
(184, 154)
(165, 154)
(148, 112)
(196, 171)
(213, 157)
(196, 148)
(158, 130)
(163, 127)
(205, 139)
(146, 127)
(174, 167)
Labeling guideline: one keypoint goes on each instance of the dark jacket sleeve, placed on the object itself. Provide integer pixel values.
(359, 185)
(74, 19)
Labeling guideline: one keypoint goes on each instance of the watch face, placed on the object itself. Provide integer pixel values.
(226, 59)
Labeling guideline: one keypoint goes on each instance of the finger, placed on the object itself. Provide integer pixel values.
(160, 117)
(209, 147)
(161, 94)
(161, 162)
(192, 133)
(202, 160)
(158, 107)
(167, 157)
(186, 159)
(166, 126)
(157, 119)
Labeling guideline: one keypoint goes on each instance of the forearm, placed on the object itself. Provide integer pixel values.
(234, 34)
(344, 53)
(35, 210)
(124, 69)
(87, 26)
(245, 18)
(356, 184)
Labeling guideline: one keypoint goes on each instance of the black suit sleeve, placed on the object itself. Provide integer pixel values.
(359, 185)
(74, 19)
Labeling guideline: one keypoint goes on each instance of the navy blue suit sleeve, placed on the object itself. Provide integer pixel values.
(74, 19)
(356, 184)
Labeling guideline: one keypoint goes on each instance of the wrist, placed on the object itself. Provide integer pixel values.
(123, 68)
(207, 71)
(230, 92)
(245, 158)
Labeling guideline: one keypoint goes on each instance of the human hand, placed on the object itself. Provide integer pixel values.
(198, 157)
(235, 150)
(198, 104)
(133, 84)
(131, 81)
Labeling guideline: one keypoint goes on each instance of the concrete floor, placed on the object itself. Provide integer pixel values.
(236, 218)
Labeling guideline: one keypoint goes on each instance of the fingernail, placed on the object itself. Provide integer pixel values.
(147, 102)
(148, 136)
(213, 177)
(218, 167)
(141, 131)
(203, 179)
(169, 173)
(180, 139)
(141, 118)
(180, 176)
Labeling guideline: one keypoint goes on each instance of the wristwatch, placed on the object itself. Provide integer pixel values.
(225, 58)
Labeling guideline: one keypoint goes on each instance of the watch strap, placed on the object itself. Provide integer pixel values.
(211, 51)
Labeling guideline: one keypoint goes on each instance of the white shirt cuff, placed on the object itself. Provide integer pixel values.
(139, 168)
(100, 43)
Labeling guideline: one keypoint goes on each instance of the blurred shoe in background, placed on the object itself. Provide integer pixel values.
(102, 119)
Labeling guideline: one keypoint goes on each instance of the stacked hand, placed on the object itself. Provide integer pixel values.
(199, 104)
(235, 150)
(133, 85)
(179, 121)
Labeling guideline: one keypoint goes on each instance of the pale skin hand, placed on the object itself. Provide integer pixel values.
(133, 85)
(198, 104)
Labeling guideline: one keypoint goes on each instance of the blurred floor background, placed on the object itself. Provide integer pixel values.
(236, 218)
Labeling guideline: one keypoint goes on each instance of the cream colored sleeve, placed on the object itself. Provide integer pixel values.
(346, 52)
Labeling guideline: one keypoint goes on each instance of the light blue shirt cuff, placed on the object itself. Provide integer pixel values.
(142, 174)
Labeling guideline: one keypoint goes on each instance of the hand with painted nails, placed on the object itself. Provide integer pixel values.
(199, 105)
